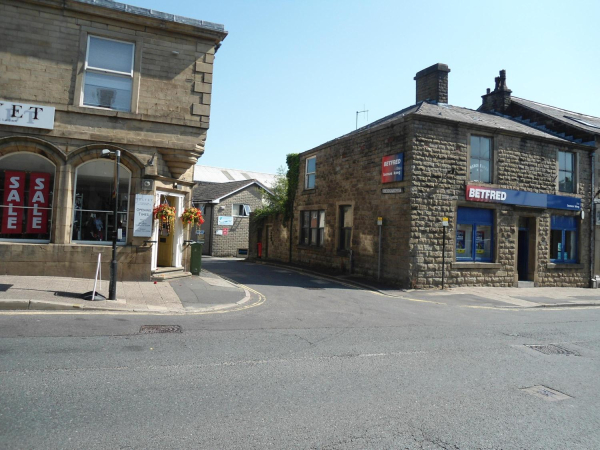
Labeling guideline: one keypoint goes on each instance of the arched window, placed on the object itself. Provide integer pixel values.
(26, 194)
(94, 202)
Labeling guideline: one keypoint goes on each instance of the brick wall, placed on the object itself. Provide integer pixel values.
(237, 237)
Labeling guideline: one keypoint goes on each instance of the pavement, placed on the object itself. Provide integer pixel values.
(209, 292)
(195, 294)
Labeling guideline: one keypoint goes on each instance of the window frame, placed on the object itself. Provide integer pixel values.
(306, 231)
(308, 174)
(573, 171)
(246, 208)
(138, 43)
(474, 222)
(107, 212)
(51, 195)
(491, 160)
(564, 228)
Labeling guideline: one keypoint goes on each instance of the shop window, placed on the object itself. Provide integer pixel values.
(312, 229)
(241, 210)
(481, 159)
(345, 227)
(108, 78)
(310, 173)
(566, 172)
(474, 234)
(93, 215)
(26, 192)
(563, 239)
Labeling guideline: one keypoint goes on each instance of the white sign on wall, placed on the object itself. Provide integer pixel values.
(19, 114)
(225, 220)
(142, 219)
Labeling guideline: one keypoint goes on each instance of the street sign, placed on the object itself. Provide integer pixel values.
(380, 221)
(444, 221)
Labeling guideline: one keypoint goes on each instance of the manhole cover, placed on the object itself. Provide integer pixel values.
(149, 329)
(551, 349)
(546, 393)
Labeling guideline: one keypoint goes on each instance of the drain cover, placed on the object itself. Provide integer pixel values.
(150, 329)
(551, 349)
(546, 393)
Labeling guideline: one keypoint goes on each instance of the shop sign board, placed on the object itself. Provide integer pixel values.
(521, 198)
(19, 114)
(225, 220)
(392, 168)
(142, 218)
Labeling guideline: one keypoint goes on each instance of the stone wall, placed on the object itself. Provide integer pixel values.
(440, 153)
(171, 114)
(436, 174)
(273, 234)
(77, 261)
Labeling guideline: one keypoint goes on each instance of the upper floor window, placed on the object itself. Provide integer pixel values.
(26, 193)
(566, 172)
(310, 173)
(108, 79)
(241, 210)
(481, 159)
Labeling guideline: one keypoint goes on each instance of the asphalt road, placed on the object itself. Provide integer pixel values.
(317, 365)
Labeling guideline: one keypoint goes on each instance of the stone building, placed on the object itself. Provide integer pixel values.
(515, 198)
(580, 127)
(226, 208)
(80, 79)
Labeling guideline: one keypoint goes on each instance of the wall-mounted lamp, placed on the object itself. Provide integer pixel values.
(151, 162)
(175, 186)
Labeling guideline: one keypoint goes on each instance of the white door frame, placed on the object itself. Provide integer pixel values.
(178, 230)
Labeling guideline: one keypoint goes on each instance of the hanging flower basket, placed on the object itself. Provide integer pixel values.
(192, 216)
(165, 214)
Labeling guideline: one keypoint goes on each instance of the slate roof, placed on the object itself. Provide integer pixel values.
(583, 122)
(445, 111)
(209, 192)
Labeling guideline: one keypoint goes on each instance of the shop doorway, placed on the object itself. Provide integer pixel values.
(168, 237)
(526, 249)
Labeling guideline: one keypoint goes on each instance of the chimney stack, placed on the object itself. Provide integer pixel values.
(432, 84)
(499, 99)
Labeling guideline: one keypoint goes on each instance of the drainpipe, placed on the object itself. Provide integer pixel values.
(593, 218)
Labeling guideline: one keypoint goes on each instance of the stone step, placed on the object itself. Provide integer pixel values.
(170, 275)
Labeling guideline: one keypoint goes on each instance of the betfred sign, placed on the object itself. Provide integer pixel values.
(522, 198)
(19, 114)
(392, 168)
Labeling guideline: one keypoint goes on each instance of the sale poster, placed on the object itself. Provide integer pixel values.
(14, 200)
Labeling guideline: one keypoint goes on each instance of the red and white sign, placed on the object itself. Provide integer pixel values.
(225, 231)
(13, 202)
(39, 190)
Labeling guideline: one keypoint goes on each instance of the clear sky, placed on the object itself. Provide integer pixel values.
(291, 75)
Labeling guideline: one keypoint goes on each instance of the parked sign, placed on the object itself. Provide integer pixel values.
(19, 114)
(522, 198)
(392, 168)
(142, 219)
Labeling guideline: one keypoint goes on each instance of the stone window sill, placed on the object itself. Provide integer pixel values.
(553, 266)
(476, 265)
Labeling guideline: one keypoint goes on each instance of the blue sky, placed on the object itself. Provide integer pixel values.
(292, 74)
